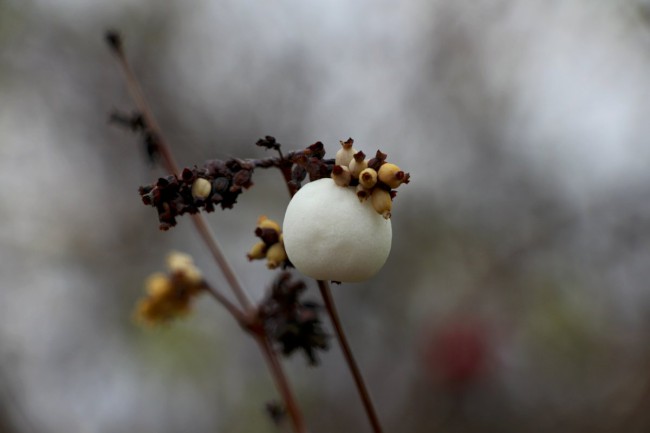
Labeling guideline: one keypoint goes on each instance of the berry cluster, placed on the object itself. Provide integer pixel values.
(271, 244)
(375, 179)
(169, 295)
(217, 183)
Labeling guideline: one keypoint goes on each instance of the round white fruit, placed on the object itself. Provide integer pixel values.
(330, 235)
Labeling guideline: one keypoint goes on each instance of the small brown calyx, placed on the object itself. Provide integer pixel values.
(378, 160)
(347, 144)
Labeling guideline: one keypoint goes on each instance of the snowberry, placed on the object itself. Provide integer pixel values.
(330, 235)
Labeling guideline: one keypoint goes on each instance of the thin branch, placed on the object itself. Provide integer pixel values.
(282, 383)
(135, 90)
(206, 234)
(238, 314)
(349, 357)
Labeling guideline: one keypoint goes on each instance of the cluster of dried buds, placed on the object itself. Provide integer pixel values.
(375, 179)
(271, 244)
(217, 183)
(292, 323)
(169, 295)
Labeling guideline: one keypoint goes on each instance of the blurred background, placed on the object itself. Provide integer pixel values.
(516, 296)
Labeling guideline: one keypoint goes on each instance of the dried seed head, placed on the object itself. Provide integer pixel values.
(201, 188)
(382, 202)
(368, 178)
(329, 235)
(276, 255)
(345, 153)
(257, 251)
(392, 175)
(341, 175)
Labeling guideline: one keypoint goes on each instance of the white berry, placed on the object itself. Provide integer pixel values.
(330, 235)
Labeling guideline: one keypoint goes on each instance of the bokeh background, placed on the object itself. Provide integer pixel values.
(516, 297)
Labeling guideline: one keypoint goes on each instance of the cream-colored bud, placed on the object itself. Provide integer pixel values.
(341, 175)
(276, 255)
(158, 285)
(368, 178)
(358, 164)
(201, 188)
(382, 202)
(345, 154)
(257, 251)
(391, 175)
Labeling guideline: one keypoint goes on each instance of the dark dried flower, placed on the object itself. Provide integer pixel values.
(290, 322)
(173, 197)
(269, 143)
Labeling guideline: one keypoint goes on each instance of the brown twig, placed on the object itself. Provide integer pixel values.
(349, 357)
(281, 382)
(114, 41)
(338, 327)
(135, 90)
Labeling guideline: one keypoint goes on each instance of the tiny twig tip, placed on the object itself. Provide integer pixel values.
(114, 40)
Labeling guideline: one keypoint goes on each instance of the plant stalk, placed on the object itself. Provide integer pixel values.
(326, 293)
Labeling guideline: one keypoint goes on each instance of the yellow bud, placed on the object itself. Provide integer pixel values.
(158, 285)
(264, 222)
(201, 188)
(258, 251)
(276, 255)
(391, 175)
(345, 154)
(183, 266)
(341, 175)
(382, 202)
(368, 178)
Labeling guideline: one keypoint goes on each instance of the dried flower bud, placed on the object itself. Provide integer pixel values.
(392, 175)
(345, 154)
(276, 255)
(329, 235)
(201, 188)
(257, 251)
(341, 175)
(382, 202)
(368, 178)
(358, 164)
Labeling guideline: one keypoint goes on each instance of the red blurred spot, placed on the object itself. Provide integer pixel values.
(456, 353)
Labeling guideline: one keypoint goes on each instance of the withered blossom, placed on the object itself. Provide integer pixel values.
(292, 323)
